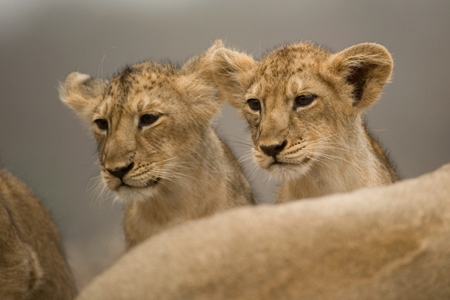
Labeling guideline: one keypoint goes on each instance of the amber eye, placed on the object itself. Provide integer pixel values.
(254, 104)
(102, 124)
(304, 100)
(147, 120)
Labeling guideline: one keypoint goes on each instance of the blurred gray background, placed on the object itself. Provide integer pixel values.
(42, 41)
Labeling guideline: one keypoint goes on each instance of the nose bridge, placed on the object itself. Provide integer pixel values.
(274, 125)
(120, 146)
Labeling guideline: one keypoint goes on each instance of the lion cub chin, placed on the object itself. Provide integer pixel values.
(156, 147)
(305, 109)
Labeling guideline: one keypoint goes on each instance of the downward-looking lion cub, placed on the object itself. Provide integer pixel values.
(32, 261)
(305, 106)
(156, 147)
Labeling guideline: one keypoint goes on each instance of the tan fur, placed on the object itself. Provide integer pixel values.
(390, 242)
(323, 146)
(178, 168)
(32, 262)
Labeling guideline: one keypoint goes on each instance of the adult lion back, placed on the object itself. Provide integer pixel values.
(396, 246)
(32, 262)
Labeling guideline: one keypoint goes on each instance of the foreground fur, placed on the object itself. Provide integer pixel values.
(32, 262)
(157, 149)
(394, 246)
(305, 107)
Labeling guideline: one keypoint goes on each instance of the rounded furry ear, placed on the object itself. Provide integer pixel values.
(82, 93)
(233, 73)
(201, 64)
(201, 97)
(197, 86)
(366, 67)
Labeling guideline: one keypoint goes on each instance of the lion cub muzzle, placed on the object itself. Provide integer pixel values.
(120, 172)
(273, 149)
(126, 175)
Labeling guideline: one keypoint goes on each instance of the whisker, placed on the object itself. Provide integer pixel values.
(335, 157)
(98, 191)
(100, 67)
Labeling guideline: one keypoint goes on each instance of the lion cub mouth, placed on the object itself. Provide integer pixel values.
(277, 162)
(149, 184)
(287, 169)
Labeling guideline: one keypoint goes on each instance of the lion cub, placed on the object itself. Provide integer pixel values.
(305, 109)
(156, 146)
(32, 261)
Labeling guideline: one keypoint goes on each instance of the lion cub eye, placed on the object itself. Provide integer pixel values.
(147, 120)
(304, 100)
(102, 124)
(254, 104)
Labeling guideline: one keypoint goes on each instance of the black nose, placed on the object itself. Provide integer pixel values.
(273, 150)
(121, 171)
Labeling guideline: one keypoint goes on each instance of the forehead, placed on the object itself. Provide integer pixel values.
(140, 85)
(288, 67)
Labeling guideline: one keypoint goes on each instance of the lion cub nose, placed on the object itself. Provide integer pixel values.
(274, 149)
(121, 171)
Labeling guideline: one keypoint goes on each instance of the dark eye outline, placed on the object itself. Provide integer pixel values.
(147, 120)
(102, 124)
(254, 104)
(304, 100)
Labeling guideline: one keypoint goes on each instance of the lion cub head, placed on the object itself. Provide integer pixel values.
(147, 119)
(303, 103)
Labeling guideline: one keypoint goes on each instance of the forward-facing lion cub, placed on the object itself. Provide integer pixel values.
(156, 147)
(305, 106)
(32, 260)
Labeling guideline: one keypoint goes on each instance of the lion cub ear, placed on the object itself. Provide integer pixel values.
(82, 93)
(201, 64)
(366, 67)
(233, 73)
(198, 88)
